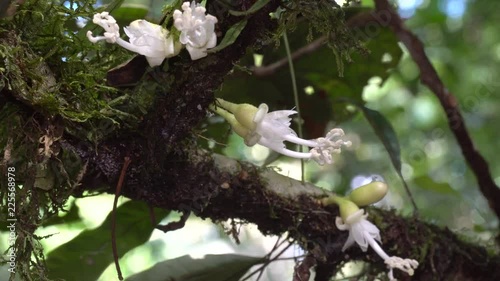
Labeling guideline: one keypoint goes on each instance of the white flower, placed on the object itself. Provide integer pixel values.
(147, 39)
(365, 234)
(272, 129)
(197, 29)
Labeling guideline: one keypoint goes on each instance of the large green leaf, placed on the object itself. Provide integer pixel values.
(131, 11)
(228, 267)
(386, 134)
(89, 253)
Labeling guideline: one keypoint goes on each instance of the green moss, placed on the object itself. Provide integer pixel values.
(53, 83)
(51, 66)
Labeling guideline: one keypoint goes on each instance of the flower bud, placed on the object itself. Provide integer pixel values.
(346, 206)
(368, 194)
(243, 112)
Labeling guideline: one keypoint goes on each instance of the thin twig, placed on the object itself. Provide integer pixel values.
(271, 69)
(268, 259)
(354, 23)
(430, 78)
(113, 216)
(296, 100)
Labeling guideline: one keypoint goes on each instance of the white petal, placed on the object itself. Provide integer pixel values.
(272, 144)
(261, 113)
(348, 243)
(358, 234)
(196, 53)
(212, 42)
(371, 229)
(281, 116)
(154, 61)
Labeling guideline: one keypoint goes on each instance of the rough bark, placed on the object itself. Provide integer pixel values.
(219, 188)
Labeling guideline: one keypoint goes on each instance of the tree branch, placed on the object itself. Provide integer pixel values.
(430, 78)
(271, 69)
(354, 23)
(217, 187)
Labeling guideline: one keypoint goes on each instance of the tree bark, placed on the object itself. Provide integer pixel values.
(219, 188)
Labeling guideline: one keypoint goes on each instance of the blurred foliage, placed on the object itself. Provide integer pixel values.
(89, 253)
(228, 267)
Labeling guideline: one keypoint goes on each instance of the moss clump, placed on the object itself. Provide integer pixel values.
(53, 87)
(49, 65)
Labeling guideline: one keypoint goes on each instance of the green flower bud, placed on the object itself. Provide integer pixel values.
(243, 112)
(346, 206)
(368, 194)
(239, 129)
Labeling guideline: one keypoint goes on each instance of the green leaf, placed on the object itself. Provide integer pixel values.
(129, 12)
(255, 7)
(111, 5)
(89, 253)
(228, 267)
(386, 134)
(230, 36)
(425, 182)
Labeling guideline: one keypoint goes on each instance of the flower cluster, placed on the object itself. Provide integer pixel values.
(272, 129)
(197, 33)
(361, 230)
(197, 29)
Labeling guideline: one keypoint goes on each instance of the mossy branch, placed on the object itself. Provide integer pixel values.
(217, 187)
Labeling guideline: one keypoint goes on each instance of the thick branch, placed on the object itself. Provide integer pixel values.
(219, 188)
(430, 78)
